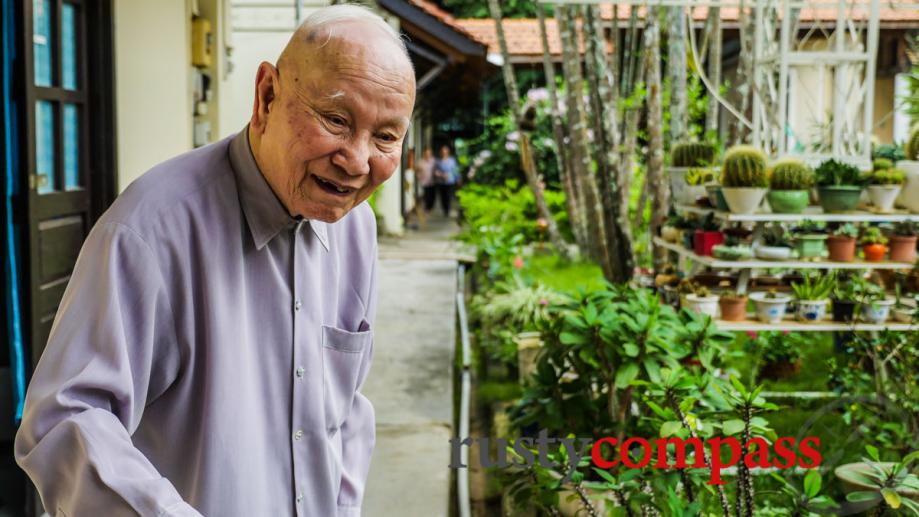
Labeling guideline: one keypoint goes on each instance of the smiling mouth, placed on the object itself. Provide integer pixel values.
(333, 188)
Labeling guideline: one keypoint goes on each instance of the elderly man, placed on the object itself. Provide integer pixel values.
(207, 355)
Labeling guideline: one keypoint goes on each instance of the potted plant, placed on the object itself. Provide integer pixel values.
(874, 244)
(839, 186)
(813, 295)
(683, 156)
(672, 230)
(901, 311)
(775, 245)
(881, 164)
(841, 243)
(790, 181)
(810, 240)
(884, 186)
(909, 195)
(874, 483)
(846, 296)
(733, 306)
(696, 180)
(903, 242)
(707, 236)
(876, 305)
(703, 302)
(779, 355)
(770, 306)
(744, 179)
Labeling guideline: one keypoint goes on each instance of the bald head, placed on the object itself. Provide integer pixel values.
(329, 120)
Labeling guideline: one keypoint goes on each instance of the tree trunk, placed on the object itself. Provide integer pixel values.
(581, 166)
(744, 73)
(620, 267)
(676, 62)
(562, 153)
(526, 151)
(714, 71)
(658, 187)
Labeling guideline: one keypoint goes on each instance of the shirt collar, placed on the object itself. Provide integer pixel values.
(263, 210)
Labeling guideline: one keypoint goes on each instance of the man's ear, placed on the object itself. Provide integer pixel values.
(267, 86)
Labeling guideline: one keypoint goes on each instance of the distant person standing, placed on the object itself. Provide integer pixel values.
(446, 174)
(426, 179)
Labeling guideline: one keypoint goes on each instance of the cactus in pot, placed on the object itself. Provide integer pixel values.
(744, 179)
(692, 154)
(884, 187)
(790, 181)
(839, 185)
(909, 194)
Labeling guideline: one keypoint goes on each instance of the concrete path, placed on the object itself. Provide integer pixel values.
(410, 380)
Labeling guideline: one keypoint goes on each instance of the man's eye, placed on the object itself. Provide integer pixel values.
(335, 120)
(387, 137)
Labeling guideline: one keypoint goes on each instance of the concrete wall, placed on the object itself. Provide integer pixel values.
(153, 86)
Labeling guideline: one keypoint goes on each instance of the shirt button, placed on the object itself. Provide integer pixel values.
(297, 305)
(300, 497)
(300, 371)
(298, 435)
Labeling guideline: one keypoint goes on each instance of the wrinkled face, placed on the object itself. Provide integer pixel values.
(444, 152)
(333, 122)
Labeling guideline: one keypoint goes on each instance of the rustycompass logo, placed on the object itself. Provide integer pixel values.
(716, 454)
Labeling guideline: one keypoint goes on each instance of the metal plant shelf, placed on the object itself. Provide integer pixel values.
(811, 213)
(816, 326)
(777, 264)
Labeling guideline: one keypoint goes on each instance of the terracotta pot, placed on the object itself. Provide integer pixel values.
(733, 308)
(903, 249)
(875, 252)
(779, 370)
(705, 241)
(842, 248)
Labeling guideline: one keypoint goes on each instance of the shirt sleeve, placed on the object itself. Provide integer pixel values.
(111, 351)
(358, 432)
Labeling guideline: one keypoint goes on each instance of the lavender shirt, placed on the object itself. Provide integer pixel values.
(207, 354)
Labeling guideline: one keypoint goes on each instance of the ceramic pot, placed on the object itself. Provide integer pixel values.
(852, 476)
(810, 245)
(772, 252)
(770, 310)
(743, 200)
(877, 311)
(839, 199)
(841, 248)
(733, 308)
(678, 185)
(704, 242)
(903, 314)
(670, 234)
(883, 196)
(811, 310)
(903, 248)
(528, 345)
(874, 252)
(707, 305)
(788, 201)
(909, 194)
(716, 197)
(844, 310)
(692, 193)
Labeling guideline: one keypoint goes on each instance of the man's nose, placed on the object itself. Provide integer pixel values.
(354, 157)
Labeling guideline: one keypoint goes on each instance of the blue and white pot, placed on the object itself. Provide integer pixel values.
(877, 311)
(770, 310)
(811, 310)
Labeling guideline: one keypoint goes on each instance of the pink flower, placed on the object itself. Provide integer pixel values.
(752, 334)
(518, 262)
(543, 301)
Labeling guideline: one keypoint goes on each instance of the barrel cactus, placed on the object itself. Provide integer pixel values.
(911, 149)
(791, 174)
(744, 166)
(880, 164)
(692, 154)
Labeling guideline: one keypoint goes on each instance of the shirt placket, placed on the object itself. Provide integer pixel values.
(299, 370)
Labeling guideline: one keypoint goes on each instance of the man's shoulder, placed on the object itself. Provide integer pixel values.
(358, 227)
(181, 182)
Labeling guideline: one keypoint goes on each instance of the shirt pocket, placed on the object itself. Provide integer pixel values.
(342, 354)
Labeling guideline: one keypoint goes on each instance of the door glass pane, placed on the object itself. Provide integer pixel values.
(41, 41)
(44, 146)
(68, 47)
(71, 147)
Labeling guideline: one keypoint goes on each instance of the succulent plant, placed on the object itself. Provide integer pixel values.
(873, 235)
(887, 177)
(911, 147)
(815, 287)
(791, 174)
(846, 230)
(906, 229)
(880, 164)
(692, 154)
(834, 173)
(744, 166)
(699, 176)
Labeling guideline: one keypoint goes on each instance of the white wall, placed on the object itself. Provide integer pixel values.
(152, 81)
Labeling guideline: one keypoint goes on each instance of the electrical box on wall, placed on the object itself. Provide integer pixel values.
(202, 42)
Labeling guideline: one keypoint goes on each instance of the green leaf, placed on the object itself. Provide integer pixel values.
(812, 483)
(570, 338)
(630, 349)
(909, 458)
(863, 496)
(891, 498)
(605, 475)
(670, 428)
(873, 452)
(653, 370)
(626, 374)
(730, 427)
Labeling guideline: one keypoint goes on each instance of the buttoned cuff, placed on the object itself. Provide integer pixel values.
(349, 511)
